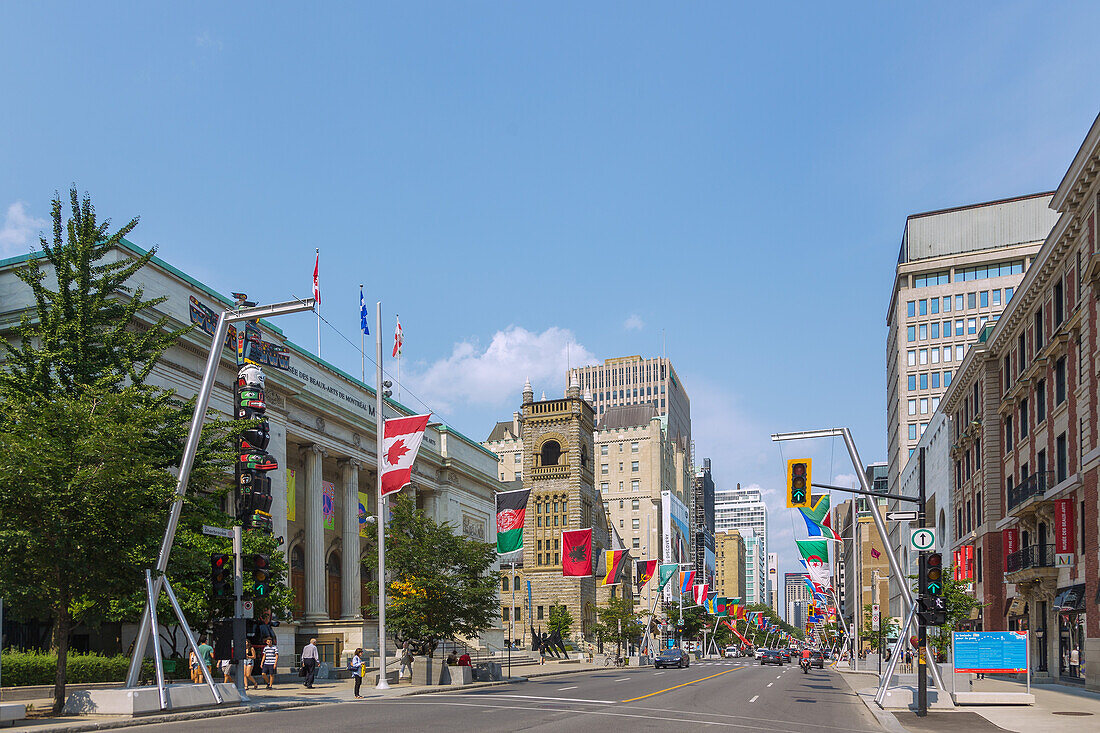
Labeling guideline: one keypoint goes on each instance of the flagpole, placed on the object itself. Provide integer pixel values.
(317, 307)
(379, 427)
(363, 340)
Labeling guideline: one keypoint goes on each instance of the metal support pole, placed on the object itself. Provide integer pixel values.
(191, 643)
(151, 599)
(379, 427)
(238, 608)
(884, 683)
(922, 628)
(202, 401)
(512, 621)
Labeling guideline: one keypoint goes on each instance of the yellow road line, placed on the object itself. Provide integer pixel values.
(658, 692)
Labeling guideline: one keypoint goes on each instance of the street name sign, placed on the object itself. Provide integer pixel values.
(217, 531)
(909, 516)
(922, 539)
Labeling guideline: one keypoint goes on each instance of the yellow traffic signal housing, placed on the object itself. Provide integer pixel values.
(798, 482)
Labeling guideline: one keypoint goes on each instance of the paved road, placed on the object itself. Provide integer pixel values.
(720, 695)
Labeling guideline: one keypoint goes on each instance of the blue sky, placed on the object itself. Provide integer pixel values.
(514, 179)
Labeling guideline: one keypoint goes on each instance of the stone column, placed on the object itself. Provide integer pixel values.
(315, 536)
(350, 603)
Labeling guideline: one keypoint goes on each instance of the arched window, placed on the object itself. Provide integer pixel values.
(550, 453)
(504, 583)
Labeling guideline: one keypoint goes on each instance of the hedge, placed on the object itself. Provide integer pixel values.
(39, 668)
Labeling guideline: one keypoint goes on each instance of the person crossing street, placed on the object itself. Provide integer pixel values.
(310, 661)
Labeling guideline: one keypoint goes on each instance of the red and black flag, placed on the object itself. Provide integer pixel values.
(614, 561)
(576, 559)
(511, 513)
(646, 570)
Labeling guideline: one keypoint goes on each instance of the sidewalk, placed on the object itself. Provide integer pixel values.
(289, 695)
(1057, 709)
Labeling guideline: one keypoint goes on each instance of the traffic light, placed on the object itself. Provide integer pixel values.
(933, 574)
(221, 576)
(798, 482)
(260, 567)
(932, 611)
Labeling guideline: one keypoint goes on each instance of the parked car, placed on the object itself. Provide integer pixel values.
(817, 659)
(672, 658)
(772, 656)
(732, 652)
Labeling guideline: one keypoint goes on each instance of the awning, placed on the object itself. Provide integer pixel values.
(1071, 598)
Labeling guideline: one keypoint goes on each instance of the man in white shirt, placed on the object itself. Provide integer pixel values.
(310, 660)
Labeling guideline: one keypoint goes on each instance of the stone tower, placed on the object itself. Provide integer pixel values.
(558, 468)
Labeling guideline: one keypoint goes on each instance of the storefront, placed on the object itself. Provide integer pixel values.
(1070, 606)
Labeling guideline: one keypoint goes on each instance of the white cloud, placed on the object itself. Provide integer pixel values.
(494, 376)
(19, 229)
(850, 480)
(634, 323)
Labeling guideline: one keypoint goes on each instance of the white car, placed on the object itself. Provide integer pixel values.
(731, 652)
(759, 652)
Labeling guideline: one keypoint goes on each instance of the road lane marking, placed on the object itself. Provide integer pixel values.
(754, 698)
(685, 684)
(563, 689)
(657, 673)
(490, 696)
(621, 679)
(770, 684)
(777, 678)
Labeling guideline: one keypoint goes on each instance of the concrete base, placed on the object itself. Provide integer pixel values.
(391, 677)
(11, 712)
(146, 700)
(905, 698)
(460, 675)
(994, 698)
(425, 670)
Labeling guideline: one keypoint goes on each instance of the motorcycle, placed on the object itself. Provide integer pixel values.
(805, 664)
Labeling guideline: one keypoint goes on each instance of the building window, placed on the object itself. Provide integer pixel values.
(923, 332)
(1060, 381)
(935, 330)
(635, 524)
(912, 382)
(936, 355)
(912, 407)
(935, 380)
(947, 379)
(971, 301)
(923, 356)
(924, 406)
(959, 302)
(971, 325)
(604, 486)
(1040, 401)
(947, 304)
(1009, 443)
(603, 469)
(924, 381)
(1062, 457)
(635, 543)
(922, 307)
(1059, 306)
(633, 447)
(997, 297)
(538, 610)
(634, 466)
(912, 357)
(960, 351)
(935, 403)
(620, 503)
(959, 327)
(1008, 294)
(947, 353)
(983, 299)
(911, 333)
(603, 450)
(931, 278)
(634, 504)
(1023, 418)
(912, 431)
(1039, 330)
(634, 486)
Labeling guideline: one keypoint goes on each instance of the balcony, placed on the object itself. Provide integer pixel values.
(548, 472)
(1033, 486)
(1036, 556)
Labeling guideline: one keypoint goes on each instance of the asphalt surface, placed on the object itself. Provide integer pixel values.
(736, 695)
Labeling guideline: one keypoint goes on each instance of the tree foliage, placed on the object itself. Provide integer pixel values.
(959, 603)
(441, 584)
(695, 619)
(889, 628)
(560, 620)
(619, 623)
(86, 446)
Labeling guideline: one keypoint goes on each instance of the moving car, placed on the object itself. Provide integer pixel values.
(817, 659)
(672, 658)
(786, 654)
(772, 656)
(759, 652)
(731, 652)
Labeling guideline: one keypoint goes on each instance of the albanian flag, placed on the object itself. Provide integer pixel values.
(614, 560)
(511, 512)
(576, 552)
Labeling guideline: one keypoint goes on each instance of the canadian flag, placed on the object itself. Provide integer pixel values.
(700, 593)
(316, 280)
(400, 442)
(398, 339)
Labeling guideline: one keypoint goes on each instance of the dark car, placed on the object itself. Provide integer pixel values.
(817, 659)
(771, 656)
(786, 654)
(672, 658)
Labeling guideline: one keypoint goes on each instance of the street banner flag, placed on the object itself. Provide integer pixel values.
(511, 515)
(646, 570)
(401, 439)
(818, 519)
(716, 605)
(700, 593)
(665, 573)
(614, 561)
(813, 550)
(398, 339)
(576, 559)
(721, 607)
(875, 553)
(363, 313)
(687, 578)
(316, 280)
(364, 528)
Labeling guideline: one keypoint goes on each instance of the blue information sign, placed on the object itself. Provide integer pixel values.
(990, 651)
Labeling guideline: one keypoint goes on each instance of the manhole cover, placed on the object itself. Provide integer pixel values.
(1071, 712)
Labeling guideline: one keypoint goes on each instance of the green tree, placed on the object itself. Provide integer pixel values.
(619, 623)
(695, 619)
(86, 447)
(889, 628)
(560, 621)
(960, 605)
(441, 584)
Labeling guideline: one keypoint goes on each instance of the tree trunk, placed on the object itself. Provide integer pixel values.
(61, 643)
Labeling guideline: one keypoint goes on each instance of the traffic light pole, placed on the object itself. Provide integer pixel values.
(922, 628)
(239, 632)
(202, 401)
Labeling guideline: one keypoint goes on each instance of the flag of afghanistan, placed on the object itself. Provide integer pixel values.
(511, 511)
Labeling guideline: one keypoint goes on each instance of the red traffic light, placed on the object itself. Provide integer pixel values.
(798, 469)
(935, 560)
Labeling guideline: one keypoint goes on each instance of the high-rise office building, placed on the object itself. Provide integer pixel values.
(956, 271)
(797, 596)
(773, 582)
(744, 509)
(632, 380)
(730, 577)
(756, 573)
(701, 511)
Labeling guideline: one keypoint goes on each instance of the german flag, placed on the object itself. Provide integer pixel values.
(614, 561)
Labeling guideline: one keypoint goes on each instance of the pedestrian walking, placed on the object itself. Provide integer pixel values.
(248, 665)
(310, 661)
(227, 670)
(357, 670)
(269, 660)
(193, 663)
(206, 655)
(406, 660)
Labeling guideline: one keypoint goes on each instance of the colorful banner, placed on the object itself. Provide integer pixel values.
(968, 562)
(665, 573)
(328, 504)
(614, 561)
(646, 569)
(1063, 526)
(1011, 542)
(364, 528)
(576, 559)
(511, 509)
(291, 503)
(956, 565)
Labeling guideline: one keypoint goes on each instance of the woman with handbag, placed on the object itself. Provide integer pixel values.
(357, 670)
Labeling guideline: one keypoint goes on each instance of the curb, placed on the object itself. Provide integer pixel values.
(173, 717)
(884, 717)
